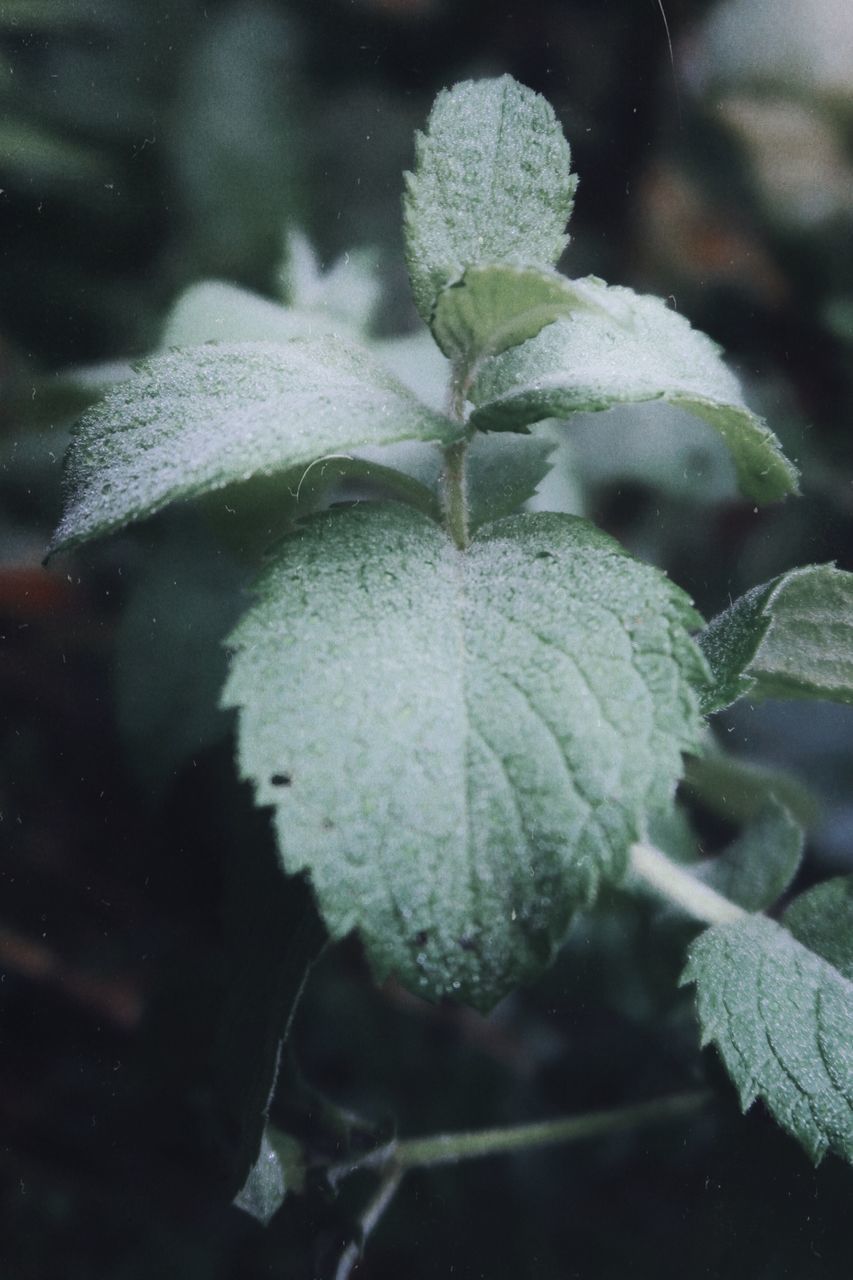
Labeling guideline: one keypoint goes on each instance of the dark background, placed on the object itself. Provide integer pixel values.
(144, 146)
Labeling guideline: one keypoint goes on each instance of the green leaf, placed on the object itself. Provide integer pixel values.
(782, 1020)
(195, 420)
(349, 291)
(822, 919)
(738, 790)
(495, 307)
(790, 638)
(169, 662)
(419, 365)
(459, 745)
(492, 183)
(214, 311)
(756, 868)
(621, 347)
(503, 471)
(278, 1171)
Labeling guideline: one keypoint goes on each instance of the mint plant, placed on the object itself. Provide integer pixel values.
(468, 718)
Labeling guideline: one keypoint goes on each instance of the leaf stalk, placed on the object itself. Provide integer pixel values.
(679, 886)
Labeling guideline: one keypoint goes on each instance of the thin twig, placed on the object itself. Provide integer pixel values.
(368, 1220)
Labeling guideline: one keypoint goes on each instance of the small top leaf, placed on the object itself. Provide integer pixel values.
(792, 637)
(492, 308)
(194, 420)
(460, 745)
(782, 1019)
(492, 183)
(622, 347)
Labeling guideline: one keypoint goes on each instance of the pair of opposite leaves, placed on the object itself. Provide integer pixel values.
(459, 745)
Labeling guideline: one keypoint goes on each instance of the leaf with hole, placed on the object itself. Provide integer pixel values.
(459, 746)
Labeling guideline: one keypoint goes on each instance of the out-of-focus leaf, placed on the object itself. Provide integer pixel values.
(756, 868)
(822, 919)
(170, 663)
(738, 790)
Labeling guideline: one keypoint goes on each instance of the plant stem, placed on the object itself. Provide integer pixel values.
(680, 886)
(449, 1148)
(453, 497)
(368, 1220)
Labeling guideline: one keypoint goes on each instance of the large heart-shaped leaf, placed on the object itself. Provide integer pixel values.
(459, 745)
(194, 420)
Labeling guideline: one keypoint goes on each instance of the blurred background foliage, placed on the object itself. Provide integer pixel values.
(145, 933)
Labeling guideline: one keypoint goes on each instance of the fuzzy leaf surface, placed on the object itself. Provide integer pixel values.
(759, 865)
(197, 419)
(792, 637)
(492, 183)
(782, 1020)
(822, 919)
(460, 745)
(627, 347)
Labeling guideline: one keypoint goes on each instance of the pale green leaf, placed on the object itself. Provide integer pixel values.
(348, 292)
(822, 919)
(492, 183)
(782, 1020)
(278, 1171)
(491, 308)
(759, 865)
(792, 637)
(214, 311)
(459, 745)
(198, 419)
(628, 347)
(503, 471)
(419, 365)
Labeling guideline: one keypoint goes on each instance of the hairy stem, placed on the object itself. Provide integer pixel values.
(451, 1148)
(454, 499)
(681, 887)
